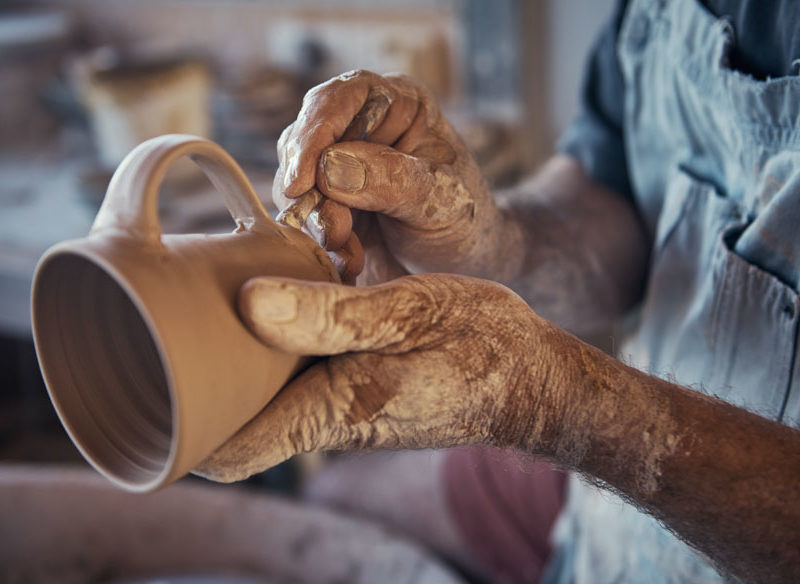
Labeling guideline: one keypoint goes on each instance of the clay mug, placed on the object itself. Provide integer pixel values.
(145, 358)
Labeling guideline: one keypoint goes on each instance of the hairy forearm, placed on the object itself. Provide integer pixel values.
(723, 479)
(572, 248)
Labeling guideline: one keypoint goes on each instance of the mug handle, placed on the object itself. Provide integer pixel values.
(131, 201)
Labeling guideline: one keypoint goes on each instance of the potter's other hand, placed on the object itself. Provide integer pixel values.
(434, 211)
(421, 361)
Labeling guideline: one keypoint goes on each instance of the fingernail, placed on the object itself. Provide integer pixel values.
(344, 171)
(274, 304)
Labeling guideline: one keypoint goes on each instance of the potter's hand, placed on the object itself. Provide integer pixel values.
(421, 361)
(434, 211)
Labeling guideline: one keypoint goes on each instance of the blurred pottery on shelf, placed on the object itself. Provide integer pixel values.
(132, 102)
(251, 110)
(137, 334)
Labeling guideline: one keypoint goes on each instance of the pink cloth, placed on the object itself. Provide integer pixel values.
(504, 504)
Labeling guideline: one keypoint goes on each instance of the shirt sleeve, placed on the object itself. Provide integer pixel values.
(595, 136)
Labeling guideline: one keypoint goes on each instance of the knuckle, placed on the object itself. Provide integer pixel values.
(357, 74)
(314, 94)
(321, 130)
(334, 84)
(412, 311)
(425, 291)
(352, 74)
(406, 171)
(415, 295)
(318, 134)
(457, 300)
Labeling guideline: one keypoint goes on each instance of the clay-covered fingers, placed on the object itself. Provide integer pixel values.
(328, 110)
(421, 361)
(349, 259)
(373, 177)
(333, 405)
(330, 224)
(314, 318)
(377, 178)
(305, 416)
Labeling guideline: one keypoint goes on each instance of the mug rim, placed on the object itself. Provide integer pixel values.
(77, 248)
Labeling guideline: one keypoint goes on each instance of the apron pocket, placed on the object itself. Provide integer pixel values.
(711, 320)
(675, 338)
(753, 322)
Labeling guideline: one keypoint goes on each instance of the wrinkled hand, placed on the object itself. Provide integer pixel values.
(421, 361)
(433, 210)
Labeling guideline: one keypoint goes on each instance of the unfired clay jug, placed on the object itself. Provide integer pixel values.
(137, 333)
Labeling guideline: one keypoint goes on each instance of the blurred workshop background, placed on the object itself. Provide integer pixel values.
(84, 81)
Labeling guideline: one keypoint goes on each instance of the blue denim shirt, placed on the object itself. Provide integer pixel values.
(713, 157)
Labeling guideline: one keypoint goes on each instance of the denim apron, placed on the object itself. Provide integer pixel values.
(714, 159)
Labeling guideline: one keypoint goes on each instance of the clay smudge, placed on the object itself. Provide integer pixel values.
(368, 402)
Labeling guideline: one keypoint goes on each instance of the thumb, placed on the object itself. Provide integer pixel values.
(315, 318)
(374, 177)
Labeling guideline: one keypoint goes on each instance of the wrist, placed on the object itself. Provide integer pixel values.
(588, 411)
(532, 416)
